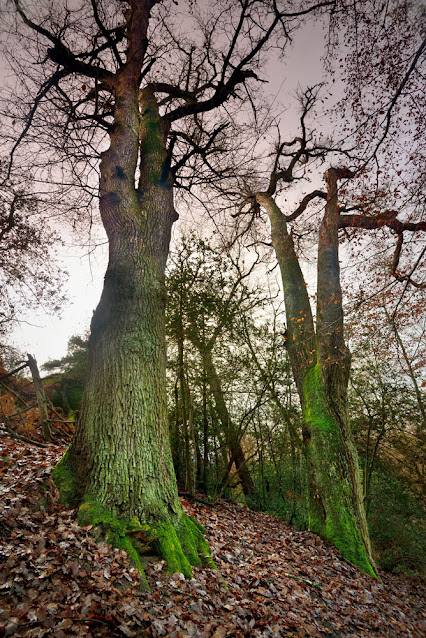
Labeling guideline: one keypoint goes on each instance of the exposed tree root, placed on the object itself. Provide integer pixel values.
(181, 544)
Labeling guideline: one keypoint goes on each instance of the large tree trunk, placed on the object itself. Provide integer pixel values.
(119, 465)
(320, 363)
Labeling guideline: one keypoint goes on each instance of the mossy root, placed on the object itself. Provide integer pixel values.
(64, 480)
(182, 546)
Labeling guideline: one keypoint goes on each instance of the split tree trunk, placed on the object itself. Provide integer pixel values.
(320, 363)
(119, 465)
(121, 451)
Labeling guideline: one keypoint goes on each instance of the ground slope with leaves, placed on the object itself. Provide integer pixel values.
(273, 580)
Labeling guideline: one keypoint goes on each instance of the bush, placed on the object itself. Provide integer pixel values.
(397, 523)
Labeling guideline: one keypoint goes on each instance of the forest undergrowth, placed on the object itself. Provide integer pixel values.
(272, 580)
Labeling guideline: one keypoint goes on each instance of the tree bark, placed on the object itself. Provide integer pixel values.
(320, 363)
(41, 398)
(119, 465)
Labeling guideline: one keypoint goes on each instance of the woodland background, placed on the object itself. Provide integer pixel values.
(270, 198)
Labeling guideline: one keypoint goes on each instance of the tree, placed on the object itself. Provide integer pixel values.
(319, 357)
(28, 276)
(320, 362)
(207, 295)
(384, 419)
(266, 351)
(73, 371)
(146, 107)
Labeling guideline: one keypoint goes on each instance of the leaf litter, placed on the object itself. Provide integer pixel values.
(272, 579)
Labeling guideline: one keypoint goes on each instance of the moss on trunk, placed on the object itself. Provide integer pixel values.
(65, 481)
(320, 363)
(335, 508)
(119, 465)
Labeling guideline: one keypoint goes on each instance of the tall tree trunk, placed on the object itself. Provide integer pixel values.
(320, 363)
(232, 439)
(119, 465)
(205, 432)
(183, 400)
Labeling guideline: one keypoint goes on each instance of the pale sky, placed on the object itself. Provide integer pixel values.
(46, 336)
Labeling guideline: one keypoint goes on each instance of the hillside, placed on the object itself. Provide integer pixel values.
(272, 580)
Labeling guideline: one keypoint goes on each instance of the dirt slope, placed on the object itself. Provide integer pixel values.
(273, 580)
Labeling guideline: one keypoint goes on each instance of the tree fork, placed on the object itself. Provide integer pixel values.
(119, 467)
(320, 363)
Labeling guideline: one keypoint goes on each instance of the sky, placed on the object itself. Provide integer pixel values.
(46, 336)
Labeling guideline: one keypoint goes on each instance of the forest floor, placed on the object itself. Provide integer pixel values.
(272, 580)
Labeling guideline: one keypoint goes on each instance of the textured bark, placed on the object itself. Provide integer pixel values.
(121, 453)
(320, 363)
(119, 465)
(41, 398)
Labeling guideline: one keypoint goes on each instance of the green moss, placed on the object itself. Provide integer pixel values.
(315, 404)
(191, 536)
(342, 532)
(333, 513)
(169, 547)
(152, 142)
(198, 525)
(180, 545)
(183, 546)
(117, 532)
(65, 481)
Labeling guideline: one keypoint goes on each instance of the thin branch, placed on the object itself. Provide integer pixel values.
(303, 204)
(105, 33)
(45, 88)
(405, 79)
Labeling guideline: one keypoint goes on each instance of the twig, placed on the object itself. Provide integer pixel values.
(14, 392)
(10, 374)
(21, 412)
(15, 435)
(303, 580)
